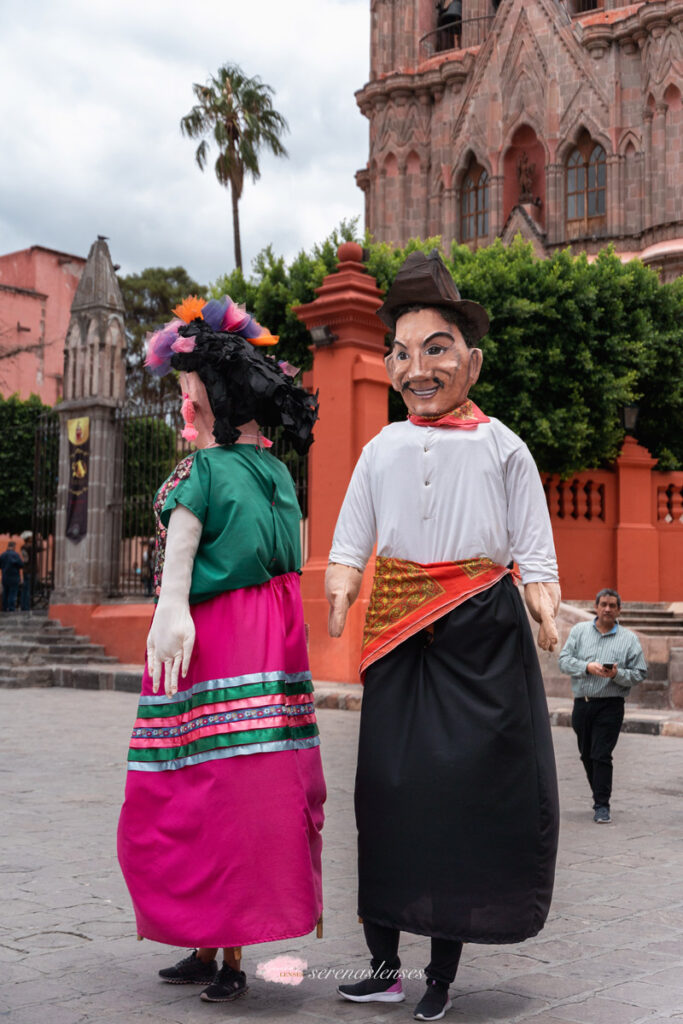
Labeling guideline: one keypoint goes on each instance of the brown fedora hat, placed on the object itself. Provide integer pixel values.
(426, 281)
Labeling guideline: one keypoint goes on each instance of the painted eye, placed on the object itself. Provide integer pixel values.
(435, 350)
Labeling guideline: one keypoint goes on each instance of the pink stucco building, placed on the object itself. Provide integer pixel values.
(37, 287)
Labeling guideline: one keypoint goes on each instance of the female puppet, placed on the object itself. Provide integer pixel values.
(219, 836)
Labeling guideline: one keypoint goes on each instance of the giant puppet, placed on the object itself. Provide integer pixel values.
(219, 836)
(456, 793)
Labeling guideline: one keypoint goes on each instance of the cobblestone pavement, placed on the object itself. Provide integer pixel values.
(611, 953)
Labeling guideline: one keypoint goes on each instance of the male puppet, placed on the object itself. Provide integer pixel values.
(456, 794)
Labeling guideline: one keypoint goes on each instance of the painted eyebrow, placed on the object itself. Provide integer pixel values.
(434, 334)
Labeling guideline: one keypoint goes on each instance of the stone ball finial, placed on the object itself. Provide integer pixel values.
(350, 251)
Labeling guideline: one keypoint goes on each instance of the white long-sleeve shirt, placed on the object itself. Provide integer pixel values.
(433, 494)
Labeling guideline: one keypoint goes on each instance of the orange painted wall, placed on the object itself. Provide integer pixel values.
(621, 528)
(120, 628)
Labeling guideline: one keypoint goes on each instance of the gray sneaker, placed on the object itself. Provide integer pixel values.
(601, 816)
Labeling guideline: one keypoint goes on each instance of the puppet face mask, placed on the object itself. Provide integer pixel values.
(430, 365)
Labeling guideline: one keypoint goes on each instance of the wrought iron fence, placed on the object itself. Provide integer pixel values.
(152, 445)
(45, 478)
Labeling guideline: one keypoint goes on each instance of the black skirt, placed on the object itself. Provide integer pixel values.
(456, 791)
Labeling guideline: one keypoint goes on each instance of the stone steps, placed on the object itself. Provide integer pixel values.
(36, 651)
(649, 619)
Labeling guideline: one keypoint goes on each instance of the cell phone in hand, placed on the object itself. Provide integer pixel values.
(608, 668)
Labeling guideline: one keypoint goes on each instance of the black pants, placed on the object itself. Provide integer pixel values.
(383, 944)
(597, 723)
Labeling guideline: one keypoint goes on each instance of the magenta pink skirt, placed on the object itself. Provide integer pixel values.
(219, 836)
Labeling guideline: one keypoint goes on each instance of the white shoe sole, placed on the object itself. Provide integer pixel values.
(419, 1016)
(374, 997)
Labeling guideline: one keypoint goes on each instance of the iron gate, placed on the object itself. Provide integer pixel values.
(45, 479)
(152, 446)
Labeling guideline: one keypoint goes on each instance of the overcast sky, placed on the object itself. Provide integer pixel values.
(91, 95)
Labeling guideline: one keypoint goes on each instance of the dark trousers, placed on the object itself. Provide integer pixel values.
(26, 593)
(9, 595)
(383, 945)
(597, 723)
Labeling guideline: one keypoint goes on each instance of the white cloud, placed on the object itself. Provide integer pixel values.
(91, 95)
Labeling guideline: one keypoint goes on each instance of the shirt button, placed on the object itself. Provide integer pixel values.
(426, 448)
(426, 483)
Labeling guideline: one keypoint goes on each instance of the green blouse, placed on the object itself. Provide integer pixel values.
(246, 501)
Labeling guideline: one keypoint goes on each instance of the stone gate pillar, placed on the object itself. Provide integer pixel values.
(350, 375)
(90, 449)
(637, 546)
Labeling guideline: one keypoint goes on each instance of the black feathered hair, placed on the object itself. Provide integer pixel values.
(244, 384)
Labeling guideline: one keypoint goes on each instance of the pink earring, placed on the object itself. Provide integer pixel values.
(190, 432)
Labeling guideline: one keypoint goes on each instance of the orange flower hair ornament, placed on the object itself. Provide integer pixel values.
(220, 314)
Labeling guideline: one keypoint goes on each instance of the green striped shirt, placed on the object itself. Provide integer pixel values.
(619, 647)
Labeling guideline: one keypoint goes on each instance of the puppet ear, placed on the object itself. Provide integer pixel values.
(193, 386)
(474, 368)
(390, 367)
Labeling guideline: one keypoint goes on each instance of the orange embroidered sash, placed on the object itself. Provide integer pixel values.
(406, 597)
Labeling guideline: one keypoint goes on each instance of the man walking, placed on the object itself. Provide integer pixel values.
(456, 797)
(604, 660)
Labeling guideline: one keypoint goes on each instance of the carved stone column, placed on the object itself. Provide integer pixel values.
(659, 163)
(648, 177)
(94, 385)
(554, 198)
(496, 206)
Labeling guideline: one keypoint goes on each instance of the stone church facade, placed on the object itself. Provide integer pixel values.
(559, 119)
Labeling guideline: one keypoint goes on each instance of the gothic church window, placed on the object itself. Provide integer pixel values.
(474, 205)
(585, 6)
(586, 181)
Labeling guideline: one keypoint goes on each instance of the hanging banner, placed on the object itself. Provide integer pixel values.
(78, 432)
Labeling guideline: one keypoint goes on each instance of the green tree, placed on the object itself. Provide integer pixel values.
(238, 111)
(274, 289)
(571, 342)
(18, 420)
(149, 298)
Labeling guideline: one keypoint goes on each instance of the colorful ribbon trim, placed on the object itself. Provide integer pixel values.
(467, 416)
(407, 597)
(259, 712)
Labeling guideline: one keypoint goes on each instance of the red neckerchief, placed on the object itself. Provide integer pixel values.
(466, 416)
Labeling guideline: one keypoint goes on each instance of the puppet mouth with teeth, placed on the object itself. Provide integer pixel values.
(424, 391)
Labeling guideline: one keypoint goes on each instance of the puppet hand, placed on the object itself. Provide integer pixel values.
(342, 584)
(169, 644)
(171, 638)
(543, 602)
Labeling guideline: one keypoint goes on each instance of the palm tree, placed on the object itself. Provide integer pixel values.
(239, 112)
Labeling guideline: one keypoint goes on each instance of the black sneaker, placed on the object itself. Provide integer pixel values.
(228, 984)
(374, 990)
(602, 816)
(434, 1002)
(190, 971)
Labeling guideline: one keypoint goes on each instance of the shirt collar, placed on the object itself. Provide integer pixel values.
(609, 632)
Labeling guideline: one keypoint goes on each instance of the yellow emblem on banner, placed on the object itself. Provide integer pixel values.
(78, 430)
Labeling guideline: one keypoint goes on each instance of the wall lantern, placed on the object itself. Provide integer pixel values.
(322, 335)
(629, 417)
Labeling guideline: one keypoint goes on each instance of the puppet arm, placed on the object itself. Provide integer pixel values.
(342, 584)
(171, 636)
(543, 602)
